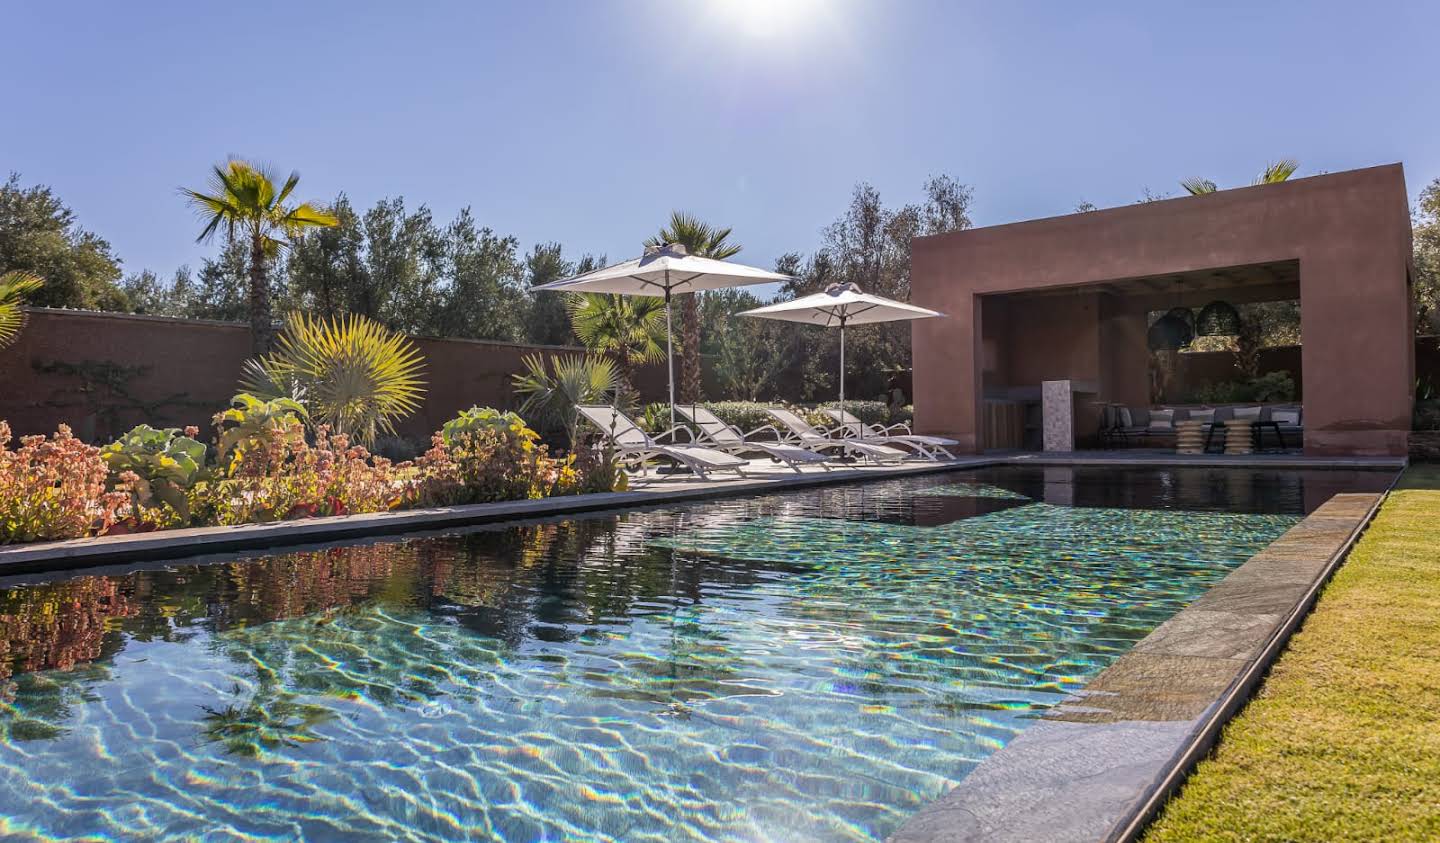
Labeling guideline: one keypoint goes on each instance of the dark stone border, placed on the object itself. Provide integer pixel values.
(1100, 766)
(175, 544)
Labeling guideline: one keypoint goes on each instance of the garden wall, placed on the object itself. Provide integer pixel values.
(103, 373)
(1204, 367)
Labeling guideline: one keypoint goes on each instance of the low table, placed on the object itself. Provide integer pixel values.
(1189, 437)
(1240, 436)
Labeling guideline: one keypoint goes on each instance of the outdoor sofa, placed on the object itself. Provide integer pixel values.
(1122, 426)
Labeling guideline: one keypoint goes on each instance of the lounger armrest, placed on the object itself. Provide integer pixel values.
(900, 426)
(829, 432)
(779, 437)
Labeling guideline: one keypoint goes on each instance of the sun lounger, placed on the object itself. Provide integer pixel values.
(801, 432)
(634, 446)
(930, 447)
(728, 438)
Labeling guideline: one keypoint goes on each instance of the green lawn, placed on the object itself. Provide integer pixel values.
(1343, 740)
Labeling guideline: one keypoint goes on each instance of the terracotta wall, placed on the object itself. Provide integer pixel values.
(103, 373)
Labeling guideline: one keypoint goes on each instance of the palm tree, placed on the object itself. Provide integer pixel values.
(14, 287)
(350, 373)
(630, 328)
(1274, 173)
(700, 239)
(243, 199)
(553, 392)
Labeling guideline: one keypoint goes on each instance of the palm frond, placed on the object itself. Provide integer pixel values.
(14, 287)
(1278, 171)
(1198, 186)
(351, 373)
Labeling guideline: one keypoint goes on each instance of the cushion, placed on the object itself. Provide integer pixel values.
(1286, 417)
(1162, 419)
(1251, 413)
(1125, 419)
(1206, 416)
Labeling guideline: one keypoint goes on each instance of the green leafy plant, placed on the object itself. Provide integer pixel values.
(242, 199)
(14, 287)
(254, 432)
(477, 419)
(352, 374)
(165, 464)
(1273, 386)
(552, 391)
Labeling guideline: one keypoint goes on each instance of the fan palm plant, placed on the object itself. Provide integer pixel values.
(630, 328)
(551, 393)
(1274, 173)
(242, 198)
(350, 373)
(14, 287)
(706, 241)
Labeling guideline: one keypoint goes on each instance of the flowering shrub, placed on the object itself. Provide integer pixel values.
(488, 463)
(54, 489)
(279, 476)
(266, 470)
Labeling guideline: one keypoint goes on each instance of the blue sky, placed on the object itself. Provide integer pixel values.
(586, 122)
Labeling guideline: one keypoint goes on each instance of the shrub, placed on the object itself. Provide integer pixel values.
(284, 477)
(869, 412)
(54, 489)
(1273, 386)
(476, 419)
(255, 434)
(165, 465)
(483, 465)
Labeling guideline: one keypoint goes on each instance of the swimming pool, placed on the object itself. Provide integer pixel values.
(812, 665)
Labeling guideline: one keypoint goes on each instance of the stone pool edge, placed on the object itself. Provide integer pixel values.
(1100, 766)
(72, 554)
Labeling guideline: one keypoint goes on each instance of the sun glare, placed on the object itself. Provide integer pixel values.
(768, 18)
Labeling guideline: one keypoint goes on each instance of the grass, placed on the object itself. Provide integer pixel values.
(1342, 742)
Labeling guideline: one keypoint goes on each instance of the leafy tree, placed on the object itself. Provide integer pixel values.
(869, 246)
(220, 290)
(399, 285)
(705, 241)
(1274, 173)
(326, 266)
(629, 328)
(549, 321)
(38, 234)
(486, 296)
(243, 199)
(15, 287)
(1426, 234)
(746, 353)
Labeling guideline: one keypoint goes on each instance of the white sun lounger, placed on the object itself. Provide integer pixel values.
(634, 446)
(930, 447)
(803, 433)
(728, 438)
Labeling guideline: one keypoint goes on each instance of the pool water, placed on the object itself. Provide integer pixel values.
(810, 666)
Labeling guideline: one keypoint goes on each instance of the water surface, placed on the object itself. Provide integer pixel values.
(812, 666)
